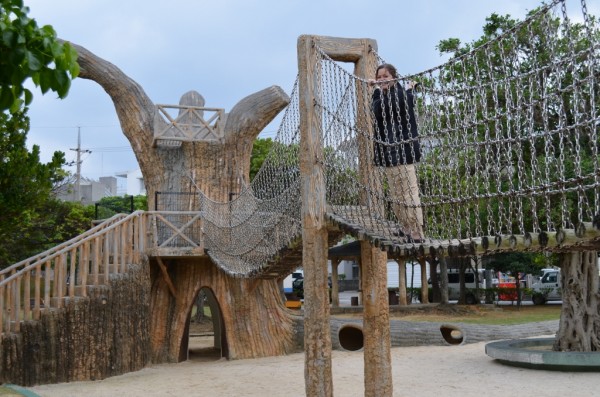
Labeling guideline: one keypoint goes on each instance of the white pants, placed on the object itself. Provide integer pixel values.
(406, 201)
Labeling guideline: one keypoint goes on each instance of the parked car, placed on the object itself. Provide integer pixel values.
(298, 286)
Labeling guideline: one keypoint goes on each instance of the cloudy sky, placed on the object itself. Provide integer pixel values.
(226, 50)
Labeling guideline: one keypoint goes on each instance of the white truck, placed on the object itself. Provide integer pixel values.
(548, 288)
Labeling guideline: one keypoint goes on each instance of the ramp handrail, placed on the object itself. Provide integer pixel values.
(41, 282)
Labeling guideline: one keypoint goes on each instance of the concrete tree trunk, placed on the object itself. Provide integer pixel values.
(218, 169)
(579, 328)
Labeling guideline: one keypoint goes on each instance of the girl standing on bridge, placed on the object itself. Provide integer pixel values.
(397, 148)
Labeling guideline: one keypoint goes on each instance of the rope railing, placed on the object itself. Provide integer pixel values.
(507, 132)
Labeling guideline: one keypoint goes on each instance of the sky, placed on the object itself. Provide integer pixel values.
(226, 50)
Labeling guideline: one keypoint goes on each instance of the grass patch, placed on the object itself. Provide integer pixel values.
(473, 314)
(486, 315)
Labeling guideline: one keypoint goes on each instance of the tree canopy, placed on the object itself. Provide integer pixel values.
(28, 51)
(492, 79)
(25, 187)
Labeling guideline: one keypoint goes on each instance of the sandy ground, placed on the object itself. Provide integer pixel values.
(440, 371)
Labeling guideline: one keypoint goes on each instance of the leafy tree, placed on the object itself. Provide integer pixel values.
(273, 161)
(31, 219)
(25, 187)
(28, 51)
(515, 69)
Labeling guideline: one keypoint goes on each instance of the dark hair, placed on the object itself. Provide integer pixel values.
(389, 67)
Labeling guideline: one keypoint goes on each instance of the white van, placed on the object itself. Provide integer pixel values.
(473, 281)
(549, 288)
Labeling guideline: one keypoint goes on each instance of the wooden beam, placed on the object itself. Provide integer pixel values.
(165, 274)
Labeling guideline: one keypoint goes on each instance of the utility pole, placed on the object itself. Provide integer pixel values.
(78, 172)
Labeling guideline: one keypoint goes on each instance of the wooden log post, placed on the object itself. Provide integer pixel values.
(317, 338)
(424, 284)
(335, 290)
(402, 301)
(378, 380)
(443, 280)
(376, 322)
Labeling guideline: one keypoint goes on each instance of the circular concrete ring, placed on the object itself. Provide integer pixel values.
(536, 353)
(351, 337)
(452, 334)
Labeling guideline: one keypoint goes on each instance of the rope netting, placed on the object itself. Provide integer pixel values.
(244, 235)
(508, 141)
(507, 133)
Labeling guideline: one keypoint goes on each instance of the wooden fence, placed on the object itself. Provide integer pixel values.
(45, 281)
(189, 125)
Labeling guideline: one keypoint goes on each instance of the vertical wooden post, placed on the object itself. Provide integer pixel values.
(424, 284)
(317, 338)
(443, 279)
(376, 322)
(378, 379)
(402, 282)
(335, 291)
(360, 281)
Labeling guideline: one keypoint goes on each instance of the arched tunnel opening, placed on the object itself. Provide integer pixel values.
(452, 334)
(351, 337)
(205, 330)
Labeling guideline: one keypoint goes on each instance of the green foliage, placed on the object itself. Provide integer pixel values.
(515, 68)
(31, 220)
(140, 202)
(62, 221)
(260, 149)
(25, 189)
(523, 262)
(55, 222)
(28, 51)
(110, 206)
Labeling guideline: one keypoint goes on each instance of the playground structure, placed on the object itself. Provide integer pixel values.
(510, 163)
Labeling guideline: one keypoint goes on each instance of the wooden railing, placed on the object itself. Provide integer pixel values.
(189, 125)
(44, 281)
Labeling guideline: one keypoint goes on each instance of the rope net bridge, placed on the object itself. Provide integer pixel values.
(508, 134)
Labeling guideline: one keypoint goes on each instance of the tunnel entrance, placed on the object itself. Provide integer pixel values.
(205, 329)
(452, 334)
(351, 337)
